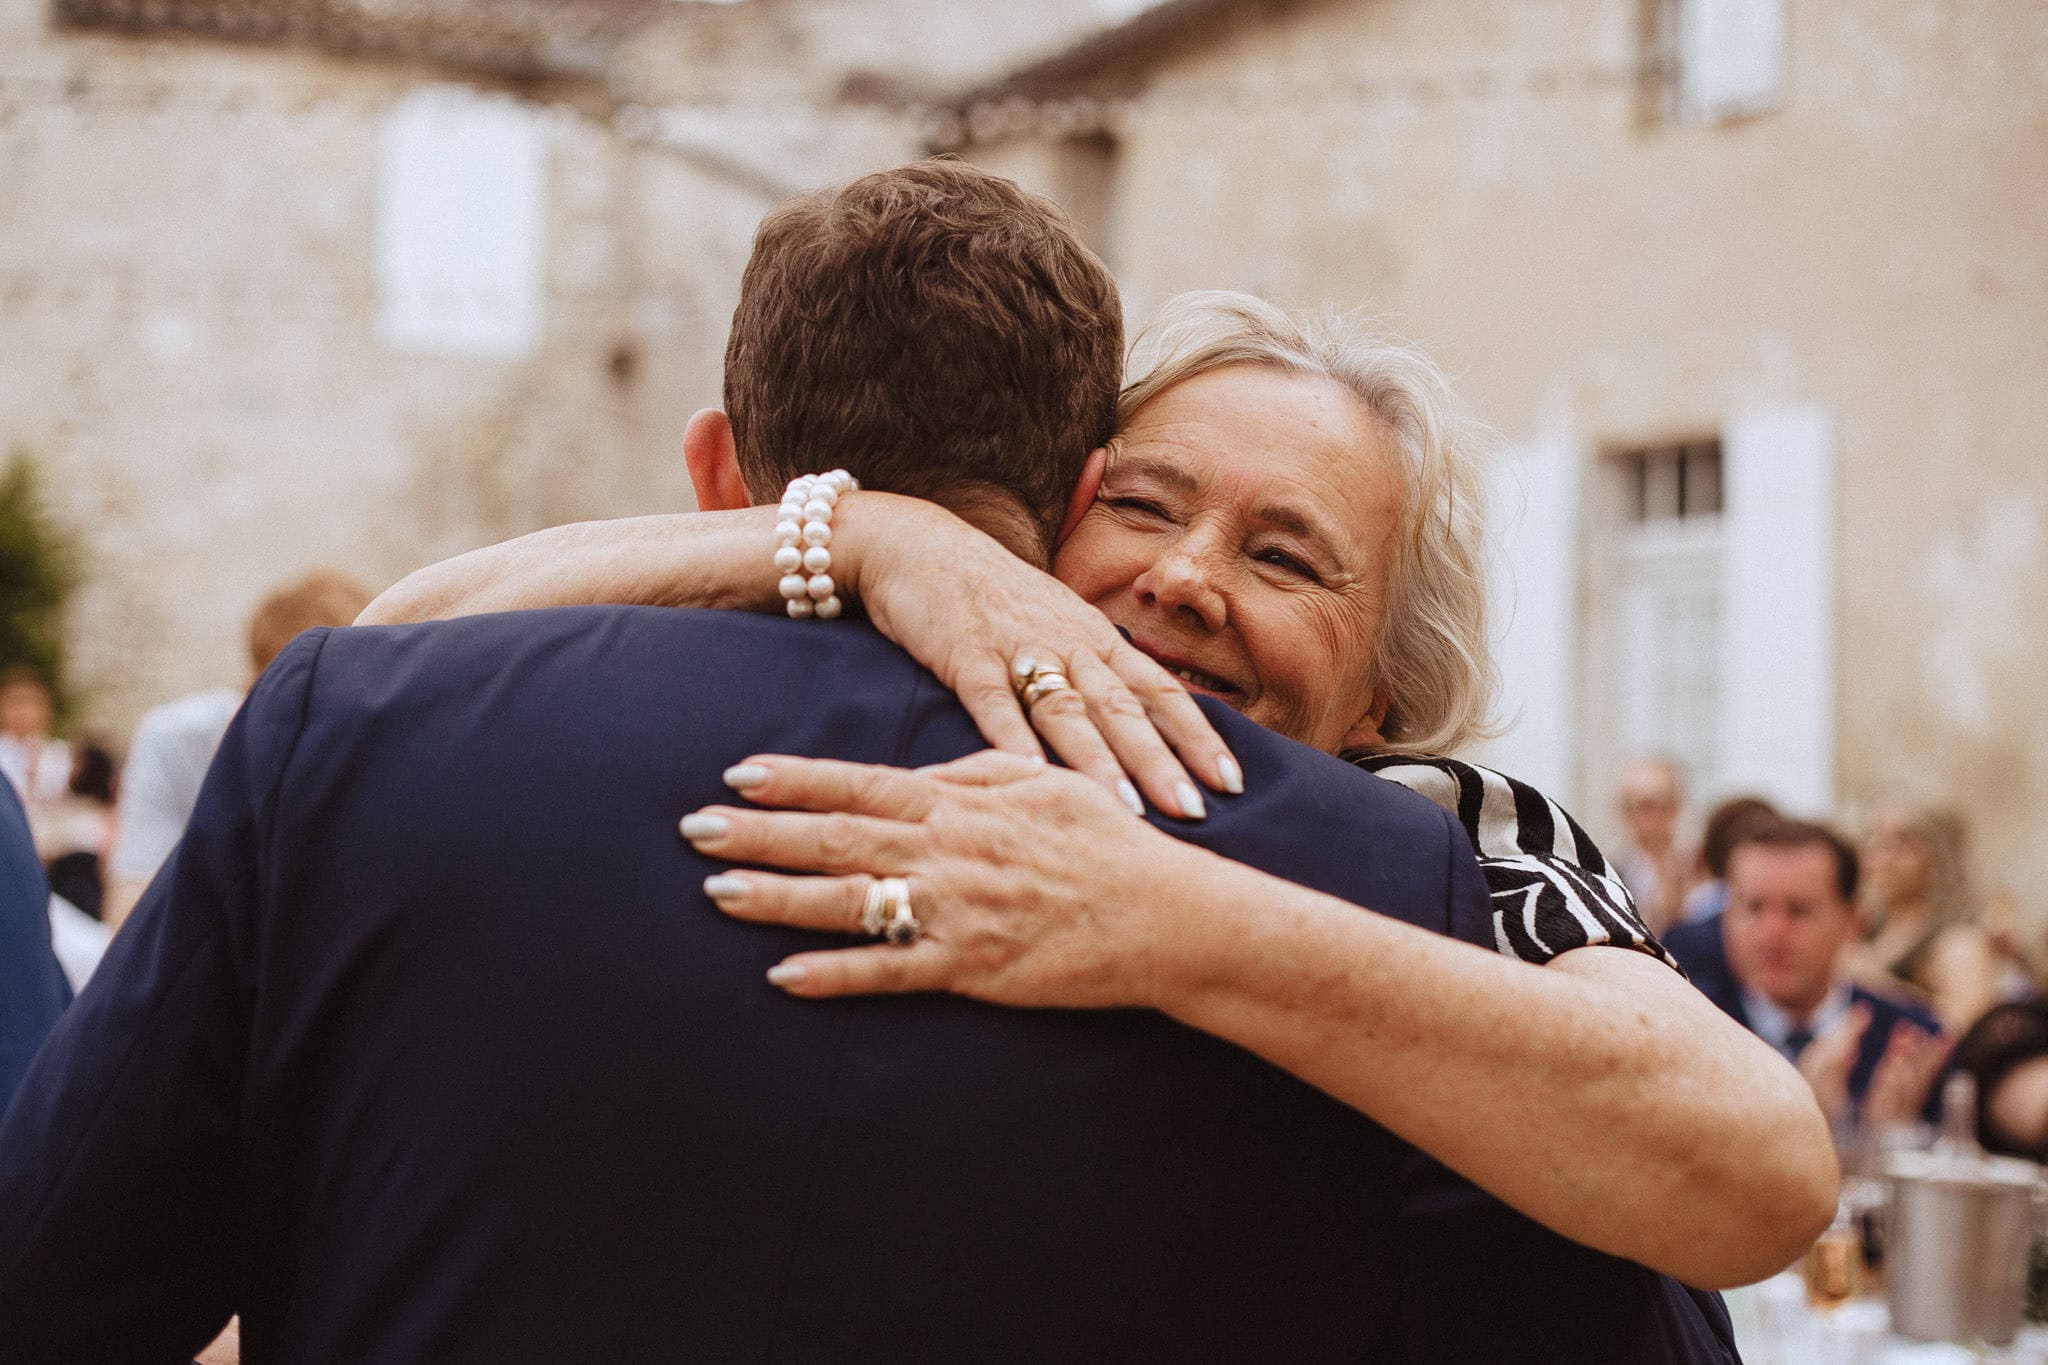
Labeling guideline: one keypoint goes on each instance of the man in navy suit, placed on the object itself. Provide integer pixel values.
(33, 991)
(1772, 960)
(426, 1046)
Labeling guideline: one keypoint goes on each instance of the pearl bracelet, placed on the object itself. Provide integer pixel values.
(803, 539)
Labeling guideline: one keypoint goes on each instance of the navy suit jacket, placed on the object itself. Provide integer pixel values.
(33, 991)
(1698, 948)
(425, 1045)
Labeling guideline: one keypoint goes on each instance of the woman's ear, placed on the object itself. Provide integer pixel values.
(1083, 496)
(714, 463)
(1366, 733)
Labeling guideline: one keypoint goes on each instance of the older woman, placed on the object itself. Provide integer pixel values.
(1286, 525)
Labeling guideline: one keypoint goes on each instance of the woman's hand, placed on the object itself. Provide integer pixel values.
(1032, 885)
(1829, 1058)
(970, 610)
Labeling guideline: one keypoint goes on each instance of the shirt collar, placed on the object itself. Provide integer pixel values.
(1774, 1025)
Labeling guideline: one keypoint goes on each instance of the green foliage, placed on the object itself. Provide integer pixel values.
(39, 566)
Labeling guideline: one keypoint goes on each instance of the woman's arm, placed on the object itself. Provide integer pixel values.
(950, 595)
(1602, 1096)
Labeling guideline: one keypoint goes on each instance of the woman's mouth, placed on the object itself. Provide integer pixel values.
(1201, 682)
(1193, 678)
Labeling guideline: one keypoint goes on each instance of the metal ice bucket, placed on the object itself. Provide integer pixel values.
(1958, 1236)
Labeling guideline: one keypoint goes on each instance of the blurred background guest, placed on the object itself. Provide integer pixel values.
(74, 831)
(1775, 959)
(175, 742)
(1921, 933)
(1725, 823)
(2007, 1052)
(1656, 870)
(36, 763)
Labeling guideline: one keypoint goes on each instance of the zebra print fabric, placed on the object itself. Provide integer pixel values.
(1552, 890)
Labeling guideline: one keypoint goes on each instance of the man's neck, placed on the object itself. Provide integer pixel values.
(1001, 516)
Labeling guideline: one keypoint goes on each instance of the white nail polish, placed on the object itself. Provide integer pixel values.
(1190, 801)
(744, 775)
(1230, 775)
(726, 889)
(1130, 796)
(788, 973)
(698, 826)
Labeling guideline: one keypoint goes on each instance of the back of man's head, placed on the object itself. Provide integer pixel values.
(324, 597)
(933, 329)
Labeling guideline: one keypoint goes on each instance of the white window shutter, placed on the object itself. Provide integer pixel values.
(461, 224)
(1533, 502)
(1731, 57)
(1778, 608)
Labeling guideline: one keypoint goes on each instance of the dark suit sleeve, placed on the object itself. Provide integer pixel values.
(119, 1161)
(33, 991)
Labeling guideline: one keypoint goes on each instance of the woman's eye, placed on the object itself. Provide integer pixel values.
(1280, 559)
(1143, 507)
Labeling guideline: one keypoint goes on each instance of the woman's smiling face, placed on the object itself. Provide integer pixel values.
(1243, 535)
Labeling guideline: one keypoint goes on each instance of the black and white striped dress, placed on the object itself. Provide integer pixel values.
(1552, 889)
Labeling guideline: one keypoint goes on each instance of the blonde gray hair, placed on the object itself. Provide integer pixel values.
(1432, 661)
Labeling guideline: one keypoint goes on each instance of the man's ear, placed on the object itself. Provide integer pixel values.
(1366, 733)
(1085, 489)
(714, 463)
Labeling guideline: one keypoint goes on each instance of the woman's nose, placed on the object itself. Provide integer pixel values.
(1183, 581)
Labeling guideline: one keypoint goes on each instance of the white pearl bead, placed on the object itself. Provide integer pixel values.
(828, 609)
(788, 559)
(827, 493)
(821, 586)
(817, 559)
(800, 607)
(817, 510)
(788, 532)
(847, 483)
(817, 533)
(793, 586)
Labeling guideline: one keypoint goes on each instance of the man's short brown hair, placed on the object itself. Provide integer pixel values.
(1781, 832)
(321, 598)
(933, 329)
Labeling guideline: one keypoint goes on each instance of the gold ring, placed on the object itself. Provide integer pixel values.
(1036, 681)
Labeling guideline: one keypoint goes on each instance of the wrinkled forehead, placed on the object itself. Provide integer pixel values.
(1247, 430)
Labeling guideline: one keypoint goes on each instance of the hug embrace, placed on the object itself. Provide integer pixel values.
(613, 981)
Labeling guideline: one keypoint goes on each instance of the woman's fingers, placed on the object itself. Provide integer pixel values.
(1172, 711)
(825, 784)
(831, 904)
(802, 841)
(1129, 731)
(1062, 718)
(983, 688)
(882, 969)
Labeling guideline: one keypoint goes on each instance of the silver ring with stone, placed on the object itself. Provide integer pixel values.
(902, 928)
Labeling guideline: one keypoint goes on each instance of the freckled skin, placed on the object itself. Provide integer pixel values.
(1188, 545)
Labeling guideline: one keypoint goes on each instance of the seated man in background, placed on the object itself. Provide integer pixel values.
(175, 742)
(1773, 959)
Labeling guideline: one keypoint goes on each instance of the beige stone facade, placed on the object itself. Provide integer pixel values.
(192, 334)
(1502, 181)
